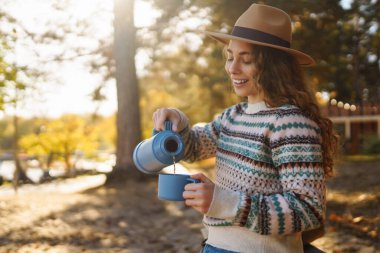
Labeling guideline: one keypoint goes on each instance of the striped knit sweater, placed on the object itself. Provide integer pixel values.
(269, 174)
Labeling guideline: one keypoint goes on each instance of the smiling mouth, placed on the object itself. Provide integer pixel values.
(239, 82)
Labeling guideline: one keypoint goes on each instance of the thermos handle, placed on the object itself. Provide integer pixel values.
(168, 127)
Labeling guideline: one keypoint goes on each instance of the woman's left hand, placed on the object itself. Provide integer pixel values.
(199, 195)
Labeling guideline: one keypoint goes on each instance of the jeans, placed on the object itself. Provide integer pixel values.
(308, 248)
(211, 249)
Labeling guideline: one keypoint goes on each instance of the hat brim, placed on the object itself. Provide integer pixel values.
(303, 59)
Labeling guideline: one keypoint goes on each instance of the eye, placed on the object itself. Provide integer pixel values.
(247, 60)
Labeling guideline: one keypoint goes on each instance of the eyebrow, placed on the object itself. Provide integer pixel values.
(240, 53)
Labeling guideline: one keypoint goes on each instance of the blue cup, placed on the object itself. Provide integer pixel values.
(172, 186)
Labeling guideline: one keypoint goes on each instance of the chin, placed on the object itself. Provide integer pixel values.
(240, 93)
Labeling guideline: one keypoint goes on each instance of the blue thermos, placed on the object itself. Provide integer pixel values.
(161, 150)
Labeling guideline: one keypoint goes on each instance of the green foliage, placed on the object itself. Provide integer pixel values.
(370, 145)
(25, 126)
(186, 68)
(12, 89)
(344, 42)
(6, 134)
(8, 79)
(60, 139)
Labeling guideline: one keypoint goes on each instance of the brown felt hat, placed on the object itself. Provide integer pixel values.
(266, 26)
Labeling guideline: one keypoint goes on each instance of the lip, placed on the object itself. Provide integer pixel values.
(239, 82)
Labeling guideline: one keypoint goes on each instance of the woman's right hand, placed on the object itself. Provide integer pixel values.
(163, 114)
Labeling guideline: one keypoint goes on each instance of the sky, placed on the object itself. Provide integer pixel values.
(345, 3)
(69, 92)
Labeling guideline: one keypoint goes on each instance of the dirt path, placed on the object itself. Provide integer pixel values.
(353, 209)
(129, 218)
(124, 218)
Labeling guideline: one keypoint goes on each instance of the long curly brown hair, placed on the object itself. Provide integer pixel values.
(281, 78)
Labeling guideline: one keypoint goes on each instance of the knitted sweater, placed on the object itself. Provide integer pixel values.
(270, 182)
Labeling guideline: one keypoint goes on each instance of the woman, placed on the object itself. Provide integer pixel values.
(273, 152)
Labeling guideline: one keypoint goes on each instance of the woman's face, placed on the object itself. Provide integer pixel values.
(240, 66)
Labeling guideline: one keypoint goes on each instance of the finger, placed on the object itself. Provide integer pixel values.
(193, 202)
(158, 125)
(164, 114)
(202, 177)
(175, 118)
(197, 204)
(191, 194)
(175, 125)
(193, 187)
(160, 119)
(198, 187)
(155, 121)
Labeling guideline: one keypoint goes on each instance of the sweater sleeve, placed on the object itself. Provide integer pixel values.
(201, 140)
(295, 143)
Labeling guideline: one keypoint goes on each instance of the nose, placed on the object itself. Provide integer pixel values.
(233, 67)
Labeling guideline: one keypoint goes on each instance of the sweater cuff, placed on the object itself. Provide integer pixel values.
(183, 122)
(225, 204)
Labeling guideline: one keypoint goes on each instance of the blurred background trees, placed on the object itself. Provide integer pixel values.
(178, 66)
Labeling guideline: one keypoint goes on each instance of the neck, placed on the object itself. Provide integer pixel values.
(256, 107)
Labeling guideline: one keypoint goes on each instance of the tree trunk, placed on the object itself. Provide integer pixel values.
(128, 113)
(67, 159)
(19, 174)
(18, 169)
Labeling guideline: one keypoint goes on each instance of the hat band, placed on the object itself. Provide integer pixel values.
(259, 36)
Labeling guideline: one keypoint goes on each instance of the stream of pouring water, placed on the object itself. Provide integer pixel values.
(174, 163)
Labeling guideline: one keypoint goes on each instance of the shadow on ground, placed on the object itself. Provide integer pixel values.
(353, 209)
(120, 218)
(129, 218)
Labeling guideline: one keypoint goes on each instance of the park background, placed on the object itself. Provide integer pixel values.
(79, 81)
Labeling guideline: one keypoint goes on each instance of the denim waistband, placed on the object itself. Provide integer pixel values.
(211, 249)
